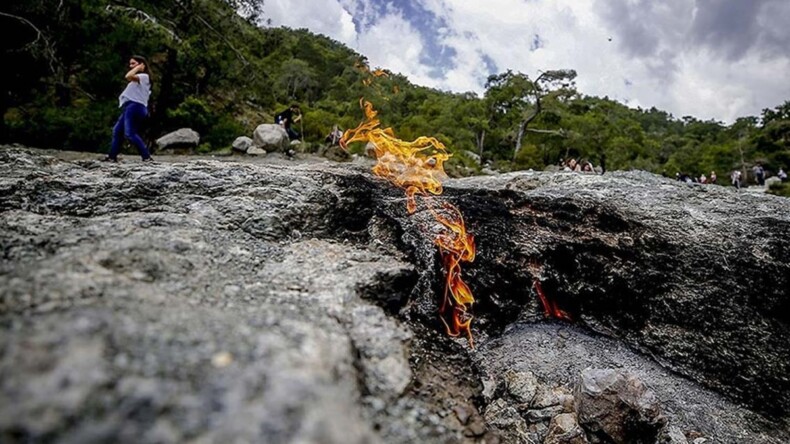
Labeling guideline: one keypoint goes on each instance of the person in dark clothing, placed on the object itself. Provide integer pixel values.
(759, 174)
(287, 118)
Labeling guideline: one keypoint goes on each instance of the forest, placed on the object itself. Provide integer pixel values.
(221, 73)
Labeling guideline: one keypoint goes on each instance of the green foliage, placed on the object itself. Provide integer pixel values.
(192, 113)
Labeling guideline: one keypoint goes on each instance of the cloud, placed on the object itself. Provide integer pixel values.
(716, 59)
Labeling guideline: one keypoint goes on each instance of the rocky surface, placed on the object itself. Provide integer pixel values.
(274, 301)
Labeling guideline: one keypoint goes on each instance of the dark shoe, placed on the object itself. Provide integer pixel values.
(110, 159)
(149, 159)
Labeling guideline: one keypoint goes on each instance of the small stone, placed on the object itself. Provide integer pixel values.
(544, 414)
(565, 429)
(255, 151)
(462, 413)
(476, 428)
(222, 359)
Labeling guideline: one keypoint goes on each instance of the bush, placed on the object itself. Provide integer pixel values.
(192, 113)
(780, 189)
(222, 134)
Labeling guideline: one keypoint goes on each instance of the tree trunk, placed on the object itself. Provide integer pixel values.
(520, 135)
(480, 143)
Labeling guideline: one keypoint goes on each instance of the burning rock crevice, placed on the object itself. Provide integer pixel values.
(637, 268)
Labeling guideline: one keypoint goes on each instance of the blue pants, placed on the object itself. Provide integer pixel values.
(128, 125)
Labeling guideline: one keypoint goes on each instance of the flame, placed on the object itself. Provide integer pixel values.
(370, 76)
(417, 167)
(550, 308)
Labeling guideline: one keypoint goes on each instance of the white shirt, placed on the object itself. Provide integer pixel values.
(136, 91)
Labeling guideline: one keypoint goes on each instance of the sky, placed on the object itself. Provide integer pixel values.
(711, 59)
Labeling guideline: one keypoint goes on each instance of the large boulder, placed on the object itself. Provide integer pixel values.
(270, 137)
(182, 138)
(619, 406)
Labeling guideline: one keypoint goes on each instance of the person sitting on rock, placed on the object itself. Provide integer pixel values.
(713, 178)
(573, 166)
(334, 136)
(588, 167)
(287, 118)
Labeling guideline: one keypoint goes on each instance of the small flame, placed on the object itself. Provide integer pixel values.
(550, 308)
(370, 76)
(418, 168)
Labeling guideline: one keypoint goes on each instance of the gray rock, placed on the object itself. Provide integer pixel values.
(270, 137)
(472, 155)
(242, 144)
(184, 137)
(772, 181)
(619, 406)
(255, 151)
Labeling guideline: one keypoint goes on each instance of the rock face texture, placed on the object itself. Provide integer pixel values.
(209, 301)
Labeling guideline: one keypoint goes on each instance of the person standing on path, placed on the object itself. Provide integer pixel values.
(133, 102)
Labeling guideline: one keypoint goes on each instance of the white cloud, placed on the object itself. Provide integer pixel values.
(652, 58)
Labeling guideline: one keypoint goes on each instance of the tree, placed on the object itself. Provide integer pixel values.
(516, 93)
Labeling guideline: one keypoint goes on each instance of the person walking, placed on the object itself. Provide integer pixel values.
(735, 178)
(133, 102)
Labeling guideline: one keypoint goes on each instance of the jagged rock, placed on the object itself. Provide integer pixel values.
(673, 435)
(522, 385)
(618, 405)
(506, 420)
(242, 144)
(270, 137)
(184, 137)
(565, 429)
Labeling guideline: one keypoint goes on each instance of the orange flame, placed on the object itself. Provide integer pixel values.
(418, 168)
(550, 308)
(370, 75)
